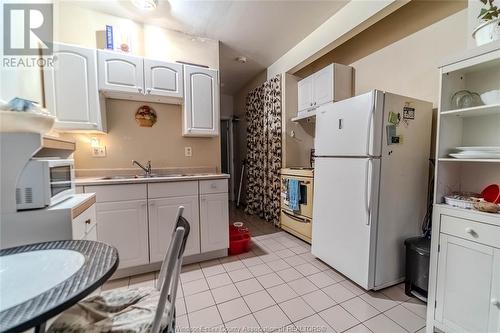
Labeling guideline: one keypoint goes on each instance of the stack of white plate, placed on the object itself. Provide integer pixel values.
(477, 152)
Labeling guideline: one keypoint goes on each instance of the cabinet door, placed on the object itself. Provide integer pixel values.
(323, 86)
(124, 225)
(120, 72)
(71, 89)
(214, 222)
(201, 102)
(162, 213)
(163, 78)
(305, 91)
(464, 280)
(495, 294)
(92, 234)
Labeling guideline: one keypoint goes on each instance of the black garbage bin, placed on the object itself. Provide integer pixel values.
(417, 266)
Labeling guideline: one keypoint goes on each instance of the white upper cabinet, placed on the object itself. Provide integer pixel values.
(120, 72)
(71, 89)
(332, 83)
(134, 78)
(201, 102)
(323, 86)
(305, 90)
(163, 78)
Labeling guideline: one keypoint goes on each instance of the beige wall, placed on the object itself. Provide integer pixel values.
(298, 137)
(77, 25)
(400, 54)
(163, 143)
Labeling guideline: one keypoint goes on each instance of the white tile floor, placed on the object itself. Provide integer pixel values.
(280, 286)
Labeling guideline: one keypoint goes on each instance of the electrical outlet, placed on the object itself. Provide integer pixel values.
(99, 151)
(188, 151)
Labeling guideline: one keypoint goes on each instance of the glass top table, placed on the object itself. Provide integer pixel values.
(38, 281)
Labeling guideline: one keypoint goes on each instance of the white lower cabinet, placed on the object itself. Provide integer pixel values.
(162, 214)
(464, 282)
(139, 219)
(466, 273)
(214, 222)
(124, 225)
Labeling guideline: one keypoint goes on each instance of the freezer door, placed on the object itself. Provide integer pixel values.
(351, 127)
(344, 216)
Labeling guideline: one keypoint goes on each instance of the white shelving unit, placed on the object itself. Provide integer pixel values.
(464, 279)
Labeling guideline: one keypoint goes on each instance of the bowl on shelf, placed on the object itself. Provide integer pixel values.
(491, 97)
(32, 122)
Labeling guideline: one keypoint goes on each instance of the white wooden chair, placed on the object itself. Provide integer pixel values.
(144, 310)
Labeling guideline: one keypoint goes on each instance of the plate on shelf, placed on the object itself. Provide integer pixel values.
(473, 155)
(480, 148)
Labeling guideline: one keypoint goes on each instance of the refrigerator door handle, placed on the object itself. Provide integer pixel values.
(370, 125)
(368, 189)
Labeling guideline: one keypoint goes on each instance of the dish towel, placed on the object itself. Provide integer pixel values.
(293, 194)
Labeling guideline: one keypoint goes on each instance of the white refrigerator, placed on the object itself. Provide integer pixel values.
(370, 184)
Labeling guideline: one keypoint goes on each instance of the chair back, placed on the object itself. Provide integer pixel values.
(168, 280)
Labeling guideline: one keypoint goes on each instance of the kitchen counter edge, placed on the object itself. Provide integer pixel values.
(99, 181)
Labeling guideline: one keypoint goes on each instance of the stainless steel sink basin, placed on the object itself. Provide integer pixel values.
(118, 177)
(127, 177)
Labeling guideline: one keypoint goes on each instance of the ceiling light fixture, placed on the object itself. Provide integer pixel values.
(241, 59)
(145, 4)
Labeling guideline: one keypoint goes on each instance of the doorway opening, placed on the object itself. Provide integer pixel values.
(226, 143)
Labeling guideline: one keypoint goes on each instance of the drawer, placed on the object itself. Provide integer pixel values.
(84, 223)
(107, 193)
(213, 186)
(475, 231)
(173, 189)
(298, 225)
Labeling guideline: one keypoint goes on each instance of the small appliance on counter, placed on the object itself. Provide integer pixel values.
(297, 201)
(45, 182)
(38, 201)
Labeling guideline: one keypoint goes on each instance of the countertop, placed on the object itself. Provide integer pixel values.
(86, 181)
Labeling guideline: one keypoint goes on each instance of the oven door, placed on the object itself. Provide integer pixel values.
(61, 180)
(306, 194)
(299, 226)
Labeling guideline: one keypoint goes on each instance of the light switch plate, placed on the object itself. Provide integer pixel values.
(99, 151)
(188, 151)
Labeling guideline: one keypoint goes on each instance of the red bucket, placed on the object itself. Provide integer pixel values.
(239, 238)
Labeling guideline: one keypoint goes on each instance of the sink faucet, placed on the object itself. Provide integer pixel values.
(147, 168)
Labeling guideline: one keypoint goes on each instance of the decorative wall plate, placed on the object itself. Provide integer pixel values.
(146, 116)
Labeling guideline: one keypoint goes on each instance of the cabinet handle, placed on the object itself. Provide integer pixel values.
(314, 103)
(311, 104)
(470, 231)
(495, 302)
(213, 185)
(149, 91)
(87, 221)
(140, 89)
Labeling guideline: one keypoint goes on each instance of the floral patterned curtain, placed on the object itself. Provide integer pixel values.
(263, 113)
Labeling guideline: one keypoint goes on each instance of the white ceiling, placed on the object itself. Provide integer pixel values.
(262, 31)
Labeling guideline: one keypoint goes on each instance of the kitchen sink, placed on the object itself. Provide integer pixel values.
(118, 177)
